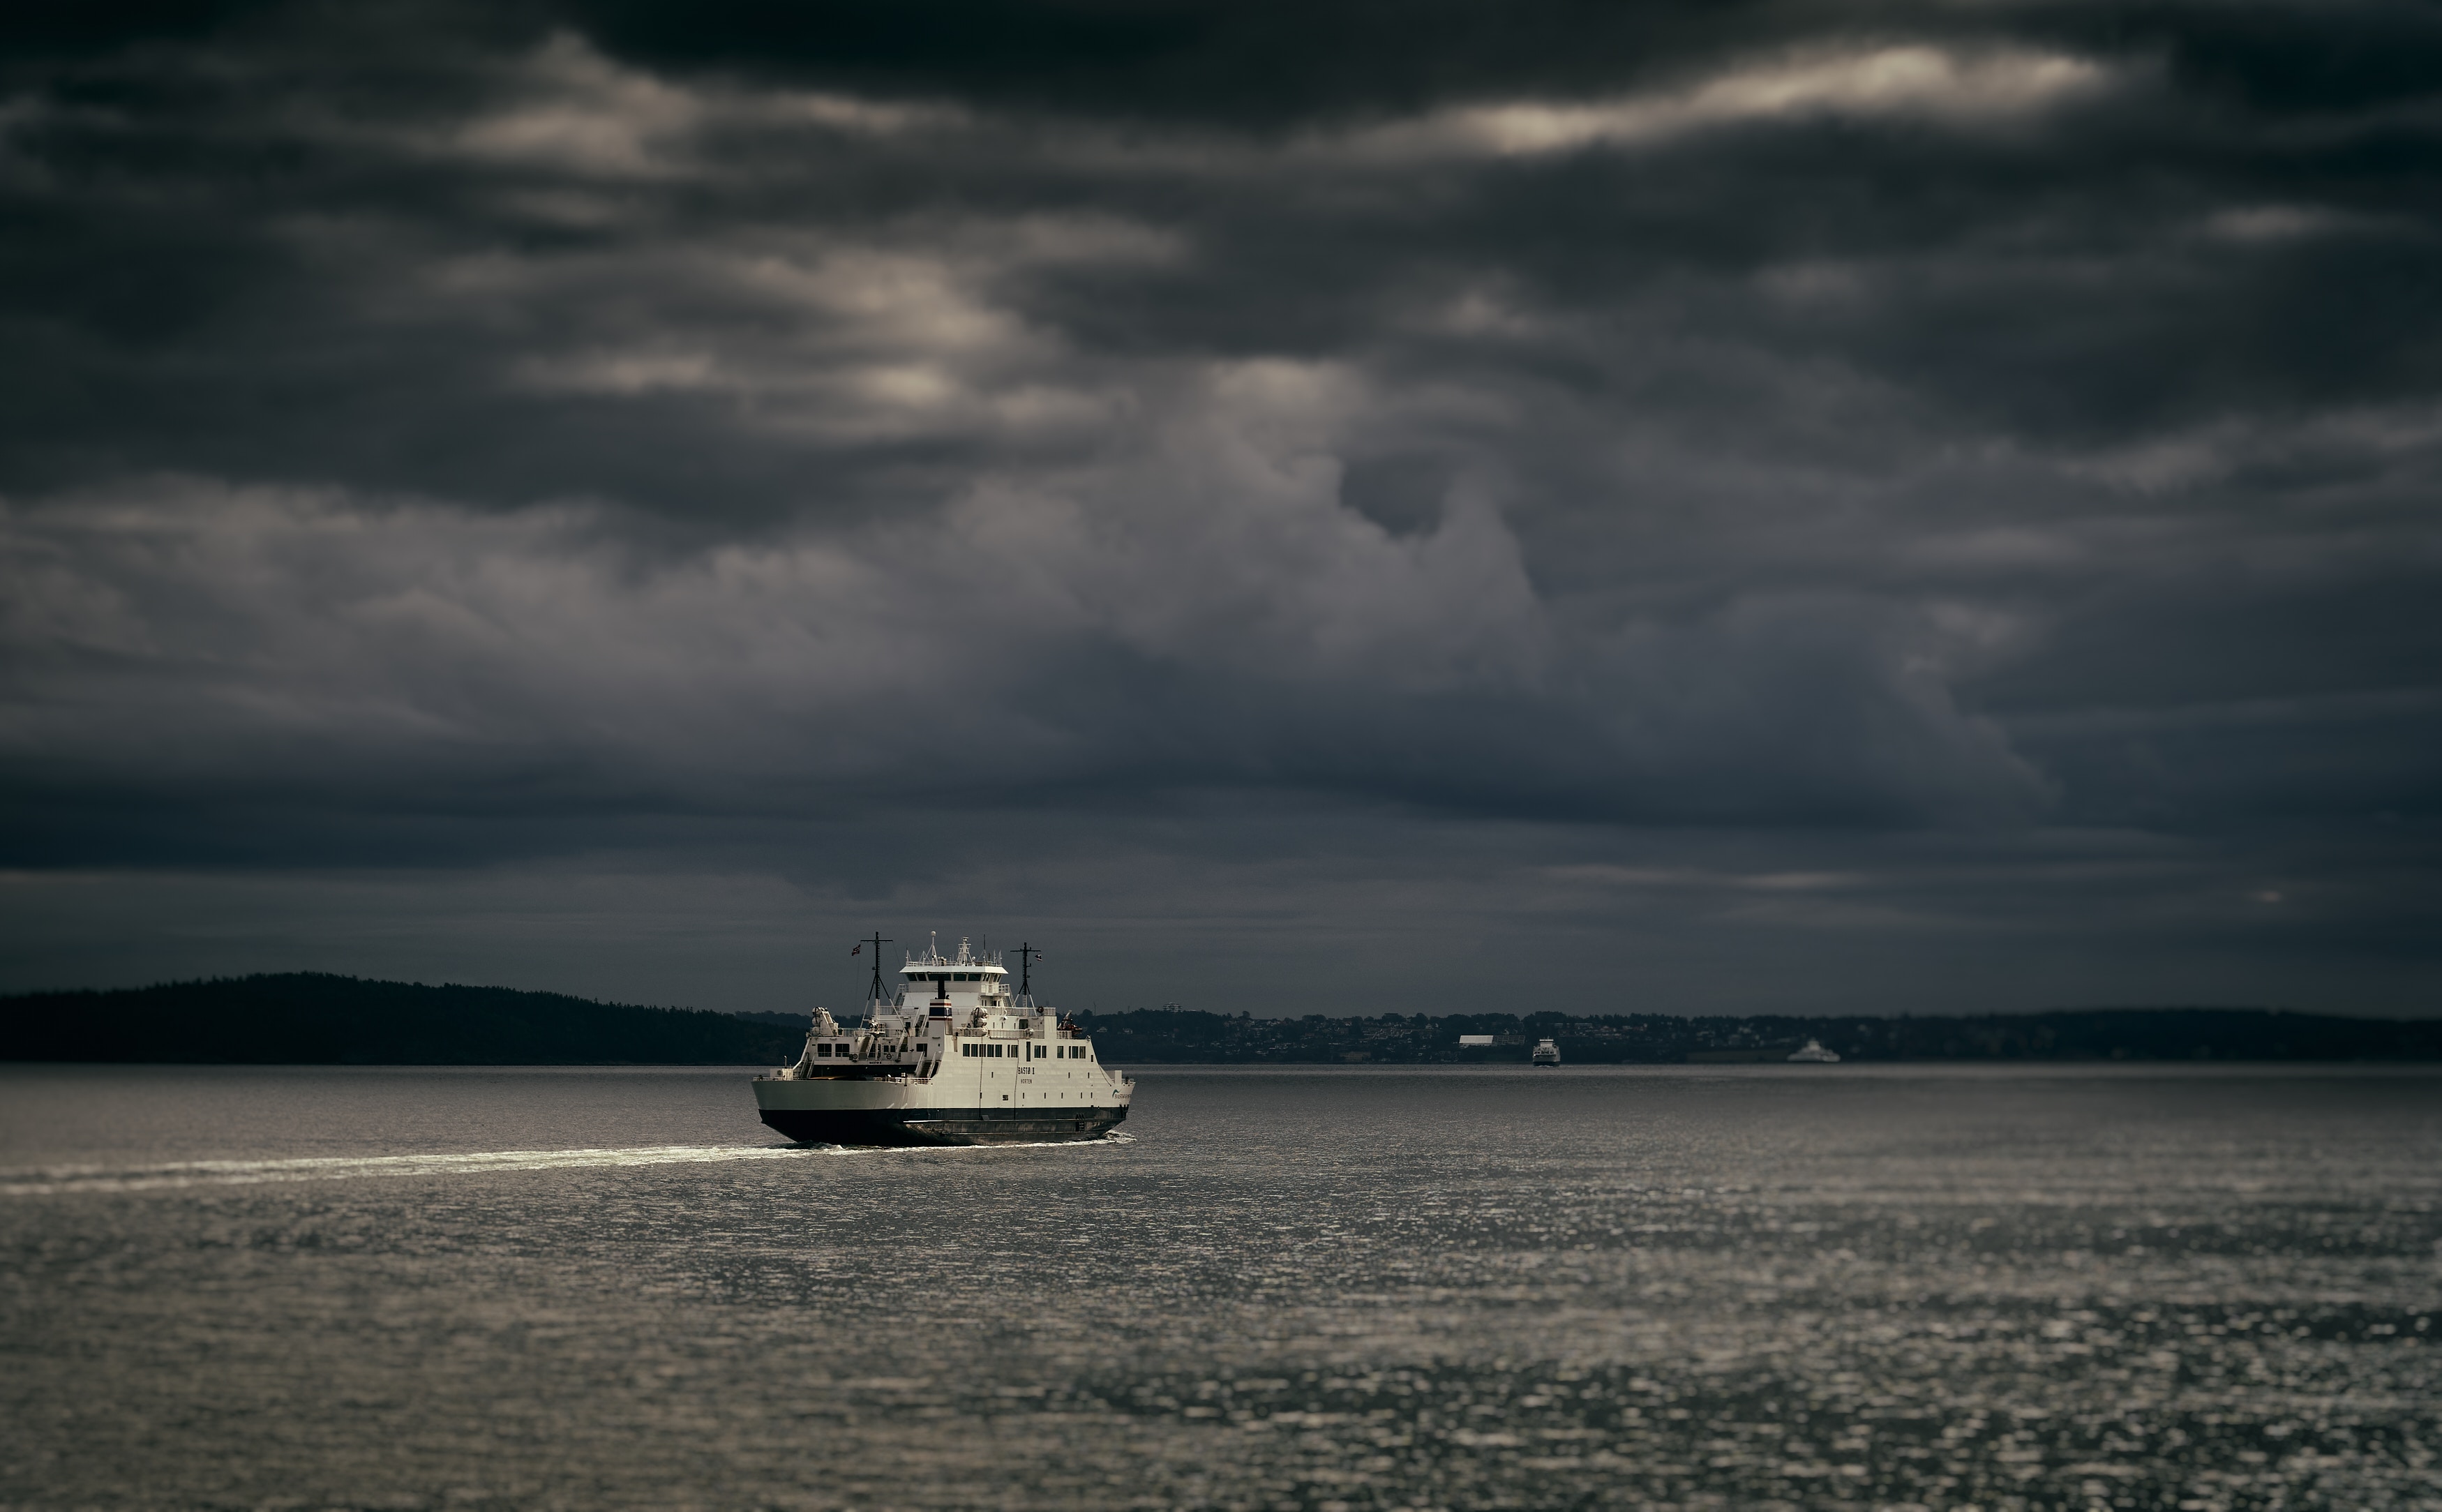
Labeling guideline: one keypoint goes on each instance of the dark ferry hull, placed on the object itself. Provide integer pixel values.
(938, 1126)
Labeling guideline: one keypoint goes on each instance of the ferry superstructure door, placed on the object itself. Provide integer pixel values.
(1006, 1089)
(991, 1072)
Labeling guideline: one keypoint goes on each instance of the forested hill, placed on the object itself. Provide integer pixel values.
(305, 1018)
(1147, 1036)
(310, 1019)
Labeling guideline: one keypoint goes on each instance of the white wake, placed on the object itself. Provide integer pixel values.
(40, 1181)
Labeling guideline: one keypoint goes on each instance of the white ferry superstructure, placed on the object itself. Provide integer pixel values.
(951, 1057)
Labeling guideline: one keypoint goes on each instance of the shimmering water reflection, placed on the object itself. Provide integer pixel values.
(1748, 1287)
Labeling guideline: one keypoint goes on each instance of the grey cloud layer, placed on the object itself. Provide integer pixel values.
(449, 438)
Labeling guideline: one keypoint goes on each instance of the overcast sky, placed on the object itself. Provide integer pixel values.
(1338, 507)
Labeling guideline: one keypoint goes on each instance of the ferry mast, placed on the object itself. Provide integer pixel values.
(877, 942)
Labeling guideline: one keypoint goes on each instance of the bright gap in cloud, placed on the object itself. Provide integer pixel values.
(1919, 81)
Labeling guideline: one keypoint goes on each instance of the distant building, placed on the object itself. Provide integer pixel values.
(1474, 1039)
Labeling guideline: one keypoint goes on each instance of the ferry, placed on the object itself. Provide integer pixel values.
(1546, 1053)
(1814, 1053)
(949, 1056)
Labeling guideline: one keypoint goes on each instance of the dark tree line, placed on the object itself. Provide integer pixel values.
(304, 1018)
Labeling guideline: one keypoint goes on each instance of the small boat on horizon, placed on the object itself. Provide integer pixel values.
(1814, 1053)
(1546, 1053)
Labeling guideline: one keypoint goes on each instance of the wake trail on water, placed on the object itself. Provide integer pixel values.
(49, 1180)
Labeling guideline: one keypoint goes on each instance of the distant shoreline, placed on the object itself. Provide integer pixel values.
(1158, 1068)
(2088, 1036)
(314, 1019)
(1997, 1068)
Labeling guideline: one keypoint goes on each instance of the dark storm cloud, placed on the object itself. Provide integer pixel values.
(455, 437)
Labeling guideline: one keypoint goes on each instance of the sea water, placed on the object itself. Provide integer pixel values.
(1737, 1287)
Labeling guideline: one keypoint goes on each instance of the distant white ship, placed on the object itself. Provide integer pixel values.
(1815, 1053)
(951, 1057)
(1546, 1053)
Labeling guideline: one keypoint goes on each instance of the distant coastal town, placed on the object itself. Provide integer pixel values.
(1151, 1036)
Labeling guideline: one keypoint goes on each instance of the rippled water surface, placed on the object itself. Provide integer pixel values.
(1744, 1288)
